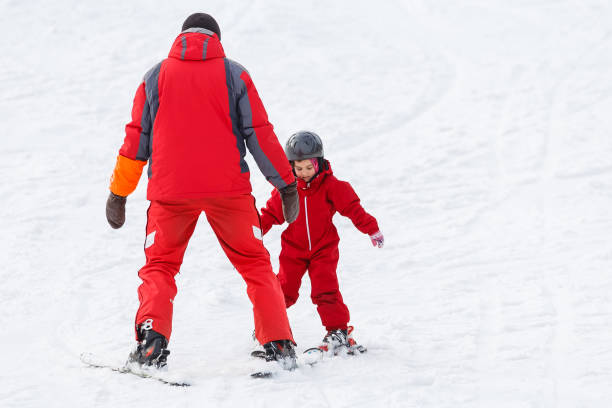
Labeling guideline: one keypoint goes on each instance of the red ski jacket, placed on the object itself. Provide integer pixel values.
(319, 200)
(194, 115)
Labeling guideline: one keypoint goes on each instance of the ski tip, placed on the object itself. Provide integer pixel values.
(262, 374)
(357, 350)
(177, 384)
(258, 354)
(313, 350)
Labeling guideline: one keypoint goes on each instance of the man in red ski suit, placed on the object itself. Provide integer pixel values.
(194, 115)
(311, 242)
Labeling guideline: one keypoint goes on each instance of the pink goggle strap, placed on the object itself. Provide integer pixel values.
(315, 164)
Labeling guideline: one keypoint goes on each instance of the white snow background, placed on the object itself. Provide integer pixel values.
(477, 132)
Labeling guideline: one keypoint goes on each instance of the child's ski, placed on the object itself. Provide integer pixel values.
(316, 354)
(357, 349)
(92, 361)
(313, 355)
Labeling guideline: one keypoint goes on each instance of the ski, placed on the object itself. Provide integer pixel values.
(261, 354)
(92, 361)
(356, 349)
(306, 359)
(262, 374)
(314, 355)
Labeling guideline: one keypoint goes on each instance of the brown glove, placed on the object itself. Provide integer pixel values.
(291, 202)
(115, 210)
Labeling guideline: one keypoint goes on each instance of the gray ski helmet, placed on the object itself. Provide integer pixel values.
(304, 145)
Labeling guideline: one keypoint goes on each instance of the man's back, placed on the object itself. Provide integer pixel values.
(194, 116)
(195, 152)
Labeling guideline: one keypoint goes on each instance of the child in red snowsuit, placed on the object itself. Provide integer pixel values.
(310, 243)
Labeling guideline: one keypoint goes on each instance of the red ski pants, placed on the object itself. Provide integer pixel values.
(325, 292)
(235, 222)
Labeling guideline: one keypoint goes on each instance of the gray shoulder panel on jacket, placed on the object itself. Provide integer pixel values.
(233, 96)
(151, 80)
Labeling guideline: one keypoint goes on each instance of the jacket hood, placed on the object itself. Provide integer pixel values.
(197, 45)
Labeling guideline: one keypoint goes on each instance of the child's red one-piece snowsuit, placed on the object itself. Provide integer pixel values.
(311, 242)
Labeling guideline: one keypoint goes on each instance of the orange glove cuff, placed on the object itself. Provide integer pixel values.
(126, 175)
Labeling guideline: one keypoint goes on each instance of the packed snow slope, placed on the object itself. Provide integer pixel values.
(477, 132)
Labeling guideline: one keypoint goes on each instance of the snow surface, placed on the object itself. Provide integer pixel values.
(477, 132)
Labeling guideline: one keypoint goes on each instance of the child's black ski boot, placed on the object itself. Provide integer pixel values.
(334, 340)
(337, 340)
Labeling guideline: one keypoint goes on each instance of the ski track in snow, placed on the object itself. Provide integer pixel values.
(476, 132)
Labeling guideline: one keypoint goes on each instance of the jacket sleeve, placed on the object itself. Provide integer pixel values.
(272, 214)
(258, 132)
(134, 152)
(348, 204)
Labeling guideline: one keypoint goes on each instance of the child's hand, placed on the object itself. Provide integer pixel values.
(378, 239)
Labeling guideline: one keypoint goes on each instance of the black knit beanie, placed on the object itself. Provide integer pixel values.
(202, 20)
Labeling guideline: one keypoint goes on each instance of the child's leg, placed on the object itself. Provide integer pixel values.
(325, 291)
(290, 275)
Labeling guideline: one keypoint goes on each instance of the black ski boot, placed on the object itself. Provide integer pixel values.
(283, 352)
(150, 350)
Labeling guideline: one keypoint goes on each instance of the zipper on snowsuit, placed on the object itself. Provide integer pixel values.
(306, 216)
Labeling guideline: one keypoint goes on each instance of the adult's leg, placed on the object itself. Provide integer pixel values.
(325, 290)
(235, 221)
(169, 228)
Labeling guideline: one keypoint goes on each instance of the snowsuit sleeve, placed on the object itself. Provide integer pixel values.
(272, 214)
(134, 152)
(348, 204)
(258, 132)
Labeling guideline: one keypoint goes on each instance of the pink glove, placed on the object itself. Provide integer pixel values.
(377, 239)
